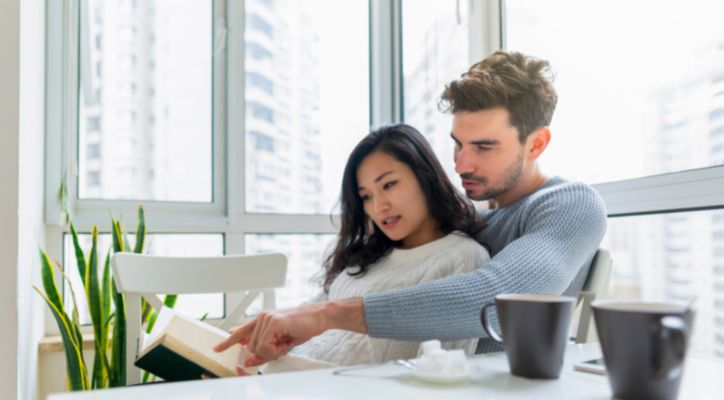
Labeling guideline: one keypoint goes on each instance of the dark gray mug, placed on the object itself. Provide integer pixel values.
(535, 332)
(644, 345)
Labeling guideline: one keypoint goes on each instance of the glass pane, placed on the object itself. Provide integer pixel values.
(307, 100)
(304, 262)
(673, 257)
(180, 245)
(636, 95)
(144, 123)
(430, 61)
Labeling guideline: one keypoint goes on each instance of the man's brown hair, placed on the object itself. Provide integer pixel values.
(521, 84)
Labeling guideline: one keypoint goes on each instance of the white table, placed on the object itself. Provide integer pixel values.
(491, 380)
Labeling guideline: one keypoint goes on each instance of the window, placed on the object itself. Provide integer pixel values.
(94, 123)
(94, 151)
(260, 112)
(257, 52)
(259, 24)
(258, 81)
(430, 62)
(181, 82)
(262, 142)
(321, 85)
(646, 268)
(639, 106)
(304, 252)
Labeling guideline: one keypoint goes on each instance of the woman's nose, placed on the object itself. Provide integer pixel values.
(381, 203)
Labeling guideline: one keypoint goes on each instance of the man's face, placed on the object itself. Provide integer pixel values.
(488, 155)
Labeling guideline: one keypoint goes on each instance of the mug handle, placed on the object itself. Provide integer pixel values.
(486, 324)
(672, 332)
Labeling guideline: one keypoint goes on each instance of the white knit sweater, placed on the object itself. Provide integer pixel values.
(453, 254)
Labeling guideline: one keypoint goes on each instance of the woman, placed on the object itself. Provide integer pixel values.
(402, 223)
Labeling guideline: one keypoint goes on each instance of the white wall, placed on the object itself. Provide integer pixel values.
(21, 179)
(9, 145)
(30, 193)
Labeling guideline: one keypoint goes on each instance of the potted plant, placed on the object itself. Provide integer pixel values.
(106, 307)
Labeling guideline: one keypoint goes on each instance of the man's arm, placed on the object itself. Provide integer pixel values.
(273, 333)
(559, 237)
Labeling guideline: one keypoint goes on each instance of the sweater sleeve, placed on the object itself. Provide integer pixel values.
(560, 233)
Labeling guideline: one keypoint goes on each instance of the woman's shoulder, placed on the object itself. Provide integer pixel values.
(464, 248)
(462, 240)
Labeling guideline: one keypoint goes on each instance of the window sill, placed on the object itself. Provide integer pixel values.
(54, 343)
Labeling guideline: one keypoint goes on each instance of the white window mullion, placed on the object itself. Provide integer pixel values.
(385, 62)
(235, 134)
(219, 107)
(486, 22)
(60, 105)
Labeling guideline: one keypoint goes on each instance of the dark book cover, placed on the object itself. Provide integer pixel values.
(170, 366)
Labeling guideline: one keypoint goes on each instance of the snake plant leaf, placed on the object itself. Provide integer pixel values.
(140, 231)
(48, 278)
(79, 256)
(75, 319)
(117, 236)
(169, 301)
(76, 370)
(95, 307)
(118, 348)
(106, 291)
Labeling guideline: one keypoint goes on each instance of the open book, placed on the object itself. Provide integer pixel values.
(180, 348)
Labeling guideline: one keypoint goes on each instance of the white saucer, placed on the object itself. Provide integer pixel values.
(436, 377)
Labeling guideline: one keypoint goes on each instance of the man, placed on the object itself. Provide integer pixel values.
(542, 232)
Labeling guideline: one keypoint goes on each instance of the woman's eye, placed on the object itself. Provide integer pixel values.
(364, 197)
(389, 185)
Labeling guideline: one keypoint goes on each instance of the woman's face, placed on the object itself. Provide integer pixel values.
(393, 200)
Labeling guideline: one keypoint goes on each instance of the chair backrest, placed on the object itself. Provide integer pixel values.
(140, 275)
(596, 284)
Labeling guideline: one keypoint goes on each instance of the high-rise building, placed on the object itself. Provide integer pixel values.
(283, 166)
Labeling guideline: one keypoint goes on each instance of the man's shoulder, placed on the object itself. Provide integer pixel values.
(562, 191)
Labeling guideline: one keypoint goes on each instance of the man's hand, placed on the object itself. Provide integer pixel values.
(273, 333)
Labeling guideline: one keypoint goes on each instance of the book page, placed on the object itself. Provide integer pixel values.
(196, 337)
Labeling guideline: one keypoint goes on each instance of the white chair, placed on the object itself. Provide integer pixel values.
(139, 275)
(596, 284)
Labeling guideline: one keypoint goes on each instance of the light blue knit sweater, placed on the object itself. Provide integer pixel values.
(543, 243)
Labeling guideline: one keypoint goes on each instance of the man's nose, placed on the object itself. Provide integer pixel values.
(463, 162)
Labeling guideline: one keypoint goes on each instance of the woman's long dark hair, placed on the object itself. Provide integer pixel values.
(360, 243)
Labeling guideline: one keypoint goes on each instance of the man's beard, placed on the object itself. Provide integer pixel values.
(510, 175)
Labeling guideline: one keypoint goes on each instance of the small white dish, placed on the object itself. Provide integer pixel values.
(439, 377)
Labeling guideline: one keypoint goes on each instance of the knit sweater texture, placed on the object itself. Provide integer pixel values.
(452, 254)
(543, 243)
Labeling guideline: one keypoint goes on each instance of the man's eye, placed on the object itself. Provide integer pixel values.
(483, 148)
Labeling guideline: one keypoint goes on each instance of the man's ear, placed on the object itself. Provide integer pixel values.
(537, 142)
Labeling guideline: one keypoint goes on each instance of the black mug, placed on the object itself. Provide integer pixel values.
(644, 346)
(535, 332)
